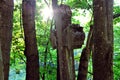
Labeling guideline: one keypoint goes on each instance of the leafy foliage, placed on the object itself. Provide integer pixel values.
(83, 4)
(82, 14)
(116, 52)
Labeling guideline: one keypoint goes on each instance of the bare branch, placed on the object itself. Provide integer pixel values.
(47, 3)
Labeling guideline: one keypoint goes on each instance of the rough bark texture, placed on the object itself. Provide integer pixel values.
(31, 52)
(103, 40)
(84, 59)
(65, 54)
(6, 20)
(1, 65)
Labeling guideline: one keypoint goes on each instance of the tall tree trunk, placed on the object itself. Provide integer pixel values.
(6, 23)
(54, 5)
(31, 51)
(65, 53)
(103, 40)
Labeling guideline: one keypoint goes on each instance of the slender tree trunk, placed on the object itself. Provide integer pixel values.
(6, 23)
(85, 55)
(103, 40)
(45, 61)
(58, 72)
(31, 51)
(54, 5)
(1, 65)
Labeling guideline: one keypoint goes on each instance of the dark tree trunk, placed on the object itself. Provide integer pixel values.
(85, 55)
(1, 65)
(103, 40)
(58, 72)
(31, 51)
(6, 23)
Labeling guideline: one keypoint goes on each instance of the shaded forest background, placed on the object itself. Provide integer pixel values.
(82, 13)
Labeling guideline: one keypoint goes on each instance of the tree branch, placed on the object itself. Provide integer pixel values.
(46, 3)
(116, 15)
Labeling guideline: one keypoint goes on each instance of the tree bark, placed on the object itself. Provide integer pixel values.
(103, 40)
(1, 65)
(6, 23)
(85, 55)
(31, 51)
(65, 53)
(58, 71)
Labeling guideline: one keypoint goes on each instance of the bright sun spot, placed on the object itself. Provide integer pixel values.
(47, 13)
(117, 2)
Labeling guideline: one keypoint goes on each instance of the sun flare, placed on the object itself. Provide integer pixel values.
(47, 13)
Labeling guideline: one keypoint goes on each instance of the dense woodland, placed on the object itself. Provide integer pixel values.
(59, 40)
